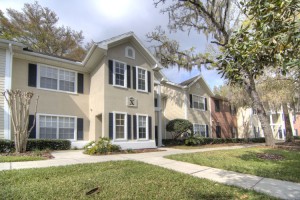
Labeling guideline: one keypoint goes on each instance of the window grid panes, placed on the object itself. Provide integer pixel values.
(198, 102)
(53, 127)
(55, 79)
(119, 74)
(200, 130)
(120, 126)
(142, 128)
(141, 79)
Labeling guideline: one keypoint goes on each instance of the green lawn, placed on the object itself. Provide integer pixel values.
(20, 158)
(246, 161)
(116, 180)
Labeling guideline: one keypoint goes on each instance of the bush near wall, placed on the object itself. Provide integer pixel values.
(297, 137)
(203, 141)
(36, 144)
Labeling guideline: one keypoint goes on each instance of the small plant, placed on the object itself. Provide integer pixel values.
(129, 151)
(194, 140)
(102, 146)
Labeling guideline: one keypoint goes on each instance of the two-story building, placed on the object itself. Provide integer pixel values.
(108, 94)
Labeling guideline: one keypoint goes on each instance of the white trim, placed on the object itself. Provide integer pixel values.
(125, 74)
(7, 86)
(57, 132)
(186, 104)
(200, 125)
(137, 79)
(126, 52)
(39, 65)
(137, 126)
(125, 126)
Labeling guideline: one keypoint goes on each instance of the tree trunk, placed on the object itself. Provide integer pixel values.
(262, 115)
(288, 128)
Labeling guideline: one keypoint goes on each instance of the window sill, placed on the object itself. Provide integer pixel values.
(60, 91)
(121, 87)
(142, 91)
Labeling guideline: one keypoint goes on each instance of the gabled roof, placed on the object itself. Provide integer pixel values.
(190, 82)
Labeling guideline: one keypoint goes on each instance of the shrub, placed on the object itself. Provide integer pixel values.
(36, 144)
(6, 146)
(297, 137)
(102, 146)
(179, 126)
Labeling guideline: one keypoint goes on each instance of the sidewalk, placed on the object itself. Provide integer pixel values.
(272, 187)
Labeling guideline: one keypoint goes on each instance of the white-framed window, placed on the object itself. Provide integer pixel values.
(130, 52)
(53, 78)
(56, 127)
(142, 79)
(120, 126)
(120, 74)
(142, 127)
(198, 102)
(199, 130)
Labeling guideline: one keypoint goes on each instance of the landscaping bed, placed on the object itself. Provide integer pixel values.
(185, 147)
(28, 156)
(261, 161)
(114, 180)
(128, 151)
(289, 145)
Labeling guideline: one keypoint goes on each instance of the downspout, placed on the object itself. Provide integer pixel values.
(7, 86)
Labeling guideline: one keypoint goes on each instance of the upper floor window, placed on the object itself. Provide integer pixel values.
(120, 74)
(141, 79)
(198, 102)
(129, 52)
(56, 79)
(217, 105)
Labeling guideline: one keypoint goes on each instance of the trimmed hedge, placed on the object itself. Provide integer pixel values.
(297, 137)
(203, 141)
(36, 144)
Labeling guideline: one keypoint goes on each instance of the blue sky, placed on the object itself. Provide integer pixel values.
(102, 19)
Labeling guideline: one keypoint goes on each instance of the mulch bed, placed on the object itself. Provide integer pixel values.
(268, 156)
(130, 151)
(289, 145)
(43, 154)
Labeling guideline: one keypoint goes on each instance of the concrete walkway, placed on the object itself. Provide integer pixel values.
(276, 188)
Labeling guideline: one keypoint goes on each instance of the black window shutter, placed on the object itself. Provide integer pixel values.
(134, 77)
(128, 127)
(32, 75)
(110, 70)
(149, 81)
(207, 131)
(191, 101)
(111, 126)
(128, 77)
(80, 83)
(134, 128)
(79, 128)
(205, 102)
(150, 127)
(33, 131)
(155, 102)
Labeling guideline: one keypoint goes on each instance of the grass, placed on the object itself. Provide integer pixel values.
(116, 180)
(246, 161)
(19, 158)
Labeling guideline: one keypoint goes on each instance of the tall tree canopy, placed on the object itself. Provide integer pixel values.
(270, 39)
(36, 26)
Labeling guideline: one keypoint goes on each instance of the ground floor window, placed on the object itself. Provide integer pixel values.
(200, 130)
(142, 121)
(120, 125)
(56, 127)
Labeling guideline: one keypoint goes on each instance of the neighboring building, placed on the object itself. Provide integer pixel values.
(188, 100)
(296, 124)
(109, 94)
(250, 126)
(224, 121)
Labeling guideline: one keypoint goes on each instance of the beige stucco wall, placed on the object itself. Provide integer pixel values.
(96, 100)
(53, 102)
(195, 115)
(115, 97)
(243, 122)
(2, 87)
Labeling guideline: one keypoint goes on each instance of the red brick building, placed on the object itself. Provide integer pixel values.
(224, 120)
